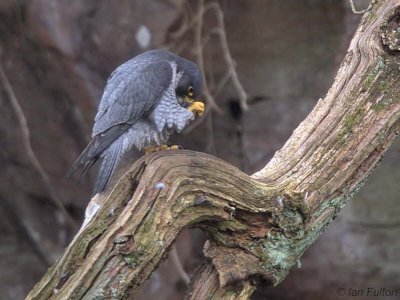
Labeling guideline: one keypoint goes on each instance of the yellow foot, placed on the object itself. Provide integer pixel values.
(197, 108)
(152, 149)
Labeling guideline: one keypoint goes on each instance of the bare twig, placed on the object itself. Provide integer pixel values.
(200, 55)
(228, 57)
(222, 82)
(210, 135)
(360, 12)
(28, 147)
(178, 34)
(178, 265)
(200, 43)
(25, 232)
(187, 22)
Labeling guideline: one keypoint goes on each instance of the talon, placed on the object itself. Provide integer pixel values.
(153, 149)
(150, 149)
(174, 147)
(197, 108)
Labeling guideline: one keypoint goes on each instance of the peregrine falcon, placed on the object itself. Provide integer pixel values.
(144, 101)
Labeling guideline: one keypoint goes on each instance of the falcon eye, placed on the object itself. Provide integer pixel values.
(190, 91)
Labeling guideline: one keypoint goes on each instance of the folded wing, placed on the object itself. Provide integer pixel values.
(131, 93)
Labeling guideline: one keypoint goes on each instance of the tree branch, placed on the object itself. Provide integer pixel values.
(360, 12)
(260, 225)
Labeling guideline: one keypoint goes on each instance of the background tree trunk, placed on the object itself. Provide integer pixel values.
(259, 226)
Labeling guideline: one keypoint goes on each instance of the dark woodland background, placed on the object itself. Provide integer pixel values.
(56, 56)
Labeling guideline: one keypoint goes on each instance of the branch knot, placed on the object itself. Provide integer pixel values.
(390, 32)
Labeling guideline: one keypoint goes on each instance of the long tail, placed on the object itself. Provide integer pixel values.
(108, 165)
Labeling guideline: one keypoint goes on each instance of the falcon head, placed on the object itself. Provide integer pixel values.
(188, 89)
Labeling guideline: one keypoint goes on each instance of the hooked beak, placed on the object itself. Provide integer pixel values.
(197, 108)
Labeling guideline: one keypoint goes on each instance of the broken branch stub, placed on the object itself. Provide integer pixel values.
(260, 225)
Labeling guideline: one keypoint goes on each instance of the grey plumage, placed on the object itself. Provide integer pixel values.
(141, 105)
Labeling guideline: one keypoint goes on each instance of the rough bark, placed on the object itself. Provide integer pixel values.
(259, 225)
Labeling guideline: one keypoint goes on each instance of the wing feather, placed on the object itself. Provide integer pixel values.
(132, 91)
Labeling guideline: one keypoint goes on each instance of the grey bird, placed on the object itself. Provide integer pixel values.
(144, 101)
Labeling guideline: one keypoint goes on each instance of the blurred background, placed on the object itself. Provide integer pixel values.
(55, 57)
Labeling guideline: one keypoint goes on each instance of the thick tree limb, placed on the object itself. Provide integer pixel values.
(259, 226)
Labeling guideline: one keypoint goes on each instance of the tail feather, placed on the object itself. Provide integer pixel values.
(108, 165)
(86, 167)
(84, 161)
(96, 147)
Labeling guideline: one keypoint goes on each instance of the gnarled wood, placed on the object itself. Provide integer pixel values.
(206, 286)
(259, 226)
